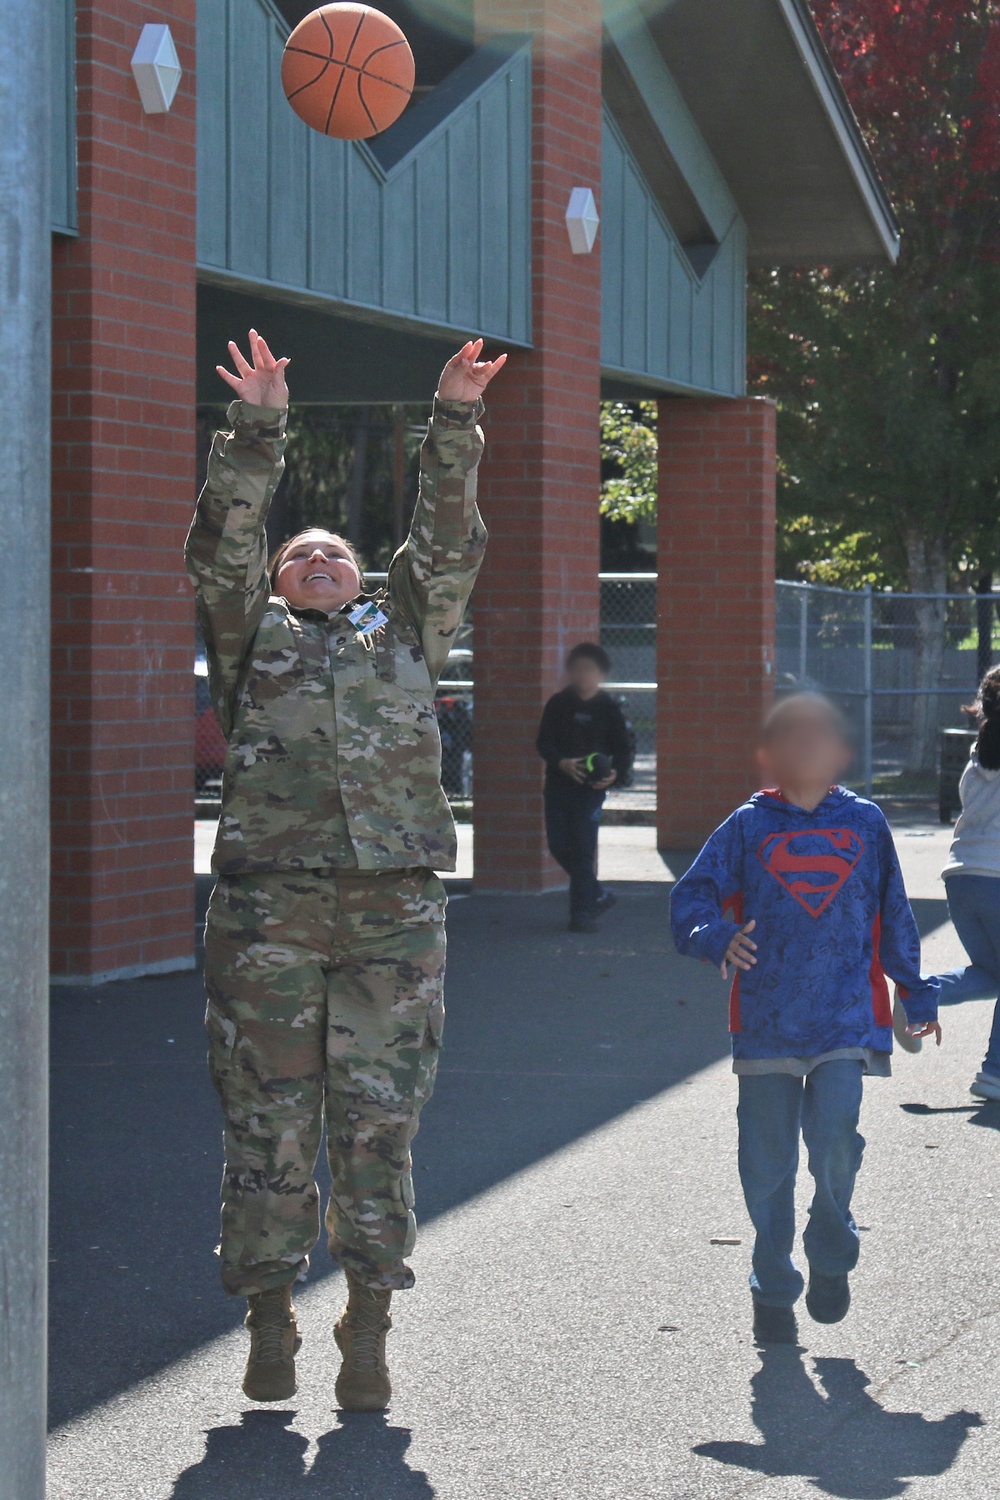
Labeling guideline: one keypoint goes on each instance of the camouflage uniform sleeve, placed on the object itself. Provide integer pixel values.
(431, 576)
(226, 549)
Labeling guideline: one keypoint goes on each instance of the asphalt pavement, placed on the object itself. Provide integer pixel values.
(575, 1334)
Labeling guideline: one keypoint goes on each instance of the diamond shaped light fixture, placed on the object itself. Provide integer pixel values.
(582, 220)
(156, 69)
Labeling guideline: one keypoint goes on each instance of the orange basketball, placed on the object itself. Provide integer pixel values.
(347, 70)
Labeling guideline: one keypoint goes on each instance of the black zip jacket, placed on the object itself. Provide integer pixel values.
(572, 728)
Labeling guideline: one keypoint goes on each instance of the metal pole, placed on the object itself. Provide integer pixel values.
(25, 331)
(803, 633)
(867, 749)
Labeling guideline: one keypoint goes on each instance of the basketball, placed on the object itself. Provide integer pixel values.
(347, 70)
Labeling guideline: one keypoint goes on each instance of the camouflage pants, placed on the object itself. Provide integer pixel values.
(324, 999)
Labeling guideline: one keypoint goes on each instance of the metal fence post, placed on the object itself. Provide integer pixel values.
(867, 747)
(803, 633)
(25, 339)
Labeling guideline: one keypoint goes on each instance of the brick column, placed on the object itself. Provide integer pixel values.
(715, 615)
(123, 488)
(538, 592)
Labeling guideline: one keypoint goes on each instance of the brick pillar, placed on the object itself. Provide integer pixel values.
(123, 487)
(715, 614)
(538, 592)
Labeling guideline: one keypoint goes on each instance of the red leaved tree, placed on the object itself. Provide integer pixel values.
(888, 380)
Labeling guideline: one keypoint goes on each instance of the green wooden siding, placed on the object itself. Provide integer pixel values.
(661, 321)
(63, 115)
(429, 223)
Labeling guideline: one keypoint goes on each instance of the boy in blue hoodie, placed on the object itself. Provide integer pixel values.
(809, 870)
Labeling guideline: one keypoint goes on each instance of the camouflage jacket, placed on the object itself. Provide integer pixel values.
(334, 752)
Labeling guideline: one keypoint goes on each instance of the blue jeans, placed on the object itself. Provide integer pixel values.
(774, 1109)
(572, 822)
(974, 905)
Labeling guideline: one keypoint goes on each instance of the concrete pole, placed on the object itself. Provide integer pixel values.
(25, 323)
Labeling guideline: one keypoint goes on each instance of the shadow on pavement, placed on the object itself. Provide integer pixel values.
(841, 1440)
(931, 913)
(983, 1112)
(549, 1036)
(263, 1455)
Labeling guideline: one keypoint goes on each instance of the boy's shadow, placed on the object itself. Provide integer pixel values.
(845, 1444)
(264, 1458)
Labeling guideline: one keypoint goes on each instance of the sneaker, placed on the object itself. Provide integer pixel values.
(583, 924)
(828, 1297)
(605, 902)
(774, 1325)
(899, 1025)
(986, 1086)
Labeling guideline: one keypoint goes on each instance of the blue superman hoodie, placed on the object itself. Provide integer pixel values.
(833, 919)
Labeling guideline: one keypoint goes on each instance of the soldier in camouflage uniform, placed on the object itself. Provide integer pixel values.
(325, 948)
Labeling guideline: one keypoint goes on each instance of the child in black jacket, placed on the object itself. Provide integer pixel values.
(585, 743)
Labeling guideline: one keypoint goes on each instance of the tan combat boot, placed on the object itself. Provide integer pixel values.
(274, 1343)
(363, 1382)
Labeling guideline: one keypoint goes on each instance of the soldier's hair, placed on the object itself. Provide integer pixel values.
(987, 711)
(280, 552)
(590, 651)
(785, 709)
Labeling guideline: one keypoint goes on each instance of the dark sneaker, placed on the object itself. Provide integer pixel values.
(583, 924)
(827, 1297)
(774, 1325)
(605, 903)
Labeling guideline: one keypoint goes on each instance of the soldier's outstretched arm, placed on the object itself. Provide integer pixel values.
(226, 549)
(432, 574)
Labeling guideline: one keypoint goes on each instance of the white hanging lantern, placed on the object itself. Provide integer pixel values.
(156, 68)
(582, 220)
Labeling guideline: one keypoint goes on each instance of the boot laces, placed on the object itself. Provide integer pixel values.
(270, 1322)
(368, 1322)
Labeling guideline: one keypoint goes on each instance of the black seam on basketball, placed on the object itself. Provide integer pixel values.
(351, 68)
(303, 86)
(333, 101)
(332, 57)
(364, 106)
(357, 32)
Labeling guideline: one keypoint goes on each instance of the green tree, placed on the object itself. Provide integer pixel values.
(628, 460)
(888, 381)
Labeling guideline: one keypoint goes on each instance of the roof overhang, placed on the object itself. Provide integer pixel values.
(767, 102)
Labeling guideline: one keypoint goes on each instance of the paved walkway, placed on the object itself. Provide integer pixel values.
(575, 1334)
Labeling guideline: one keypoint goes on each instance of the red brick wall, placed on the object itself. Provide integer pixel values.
(123, 484)
(538, 591)
(715, 621)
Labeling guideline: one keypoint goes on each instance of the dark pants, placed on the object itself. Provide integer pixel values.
(774, 1110)
(572, 820)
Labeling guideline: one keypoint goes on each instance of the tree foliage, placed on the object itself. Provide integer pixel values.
(628, 460)
(888, 380)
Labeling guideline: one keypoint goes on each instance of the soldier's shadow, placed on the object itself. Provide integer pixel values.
(264, 1458)
(841, 1440)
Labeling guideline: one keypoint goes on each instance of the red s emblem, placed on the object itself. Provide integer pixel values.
(812, 864)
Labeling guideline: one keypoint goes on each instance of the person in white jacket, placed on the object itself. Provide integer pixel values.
(972, 880)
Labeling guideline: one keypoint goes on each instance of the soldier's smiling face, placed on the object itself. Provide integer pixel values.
(318, 571)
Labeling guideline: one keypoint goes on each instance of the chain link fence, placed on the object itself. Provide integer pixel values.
(628, 635)
(901, 666)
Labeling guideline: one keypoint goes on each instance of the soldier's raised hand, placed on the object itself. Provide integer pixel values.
(466, 376)
(263, 382)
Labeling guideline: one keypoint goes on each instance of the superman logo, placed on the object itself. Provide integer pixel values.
(813, 864)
